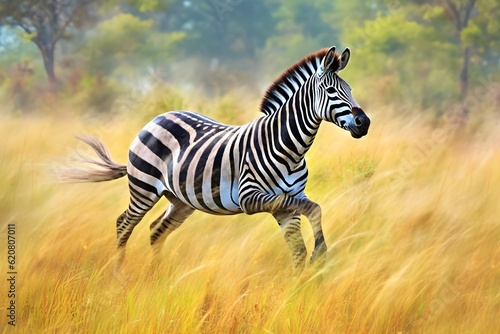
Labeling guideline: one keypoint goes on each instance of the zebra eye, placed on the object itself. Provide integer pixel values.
(330, 90)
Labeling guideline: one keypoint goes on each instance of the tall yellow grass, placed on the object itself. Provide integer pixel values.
(411, 217)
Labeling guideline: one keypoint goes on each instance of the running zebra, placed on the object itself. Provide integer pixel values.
(200, 164)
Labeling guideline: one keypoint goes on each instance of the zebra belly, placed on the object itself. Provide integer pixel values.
(191, 156)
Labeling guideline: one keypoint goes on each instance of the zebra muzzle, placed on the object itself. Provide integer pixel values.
(361, 123)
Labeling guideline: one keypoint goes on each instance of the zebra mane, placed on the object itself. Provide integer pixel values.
(290, 80)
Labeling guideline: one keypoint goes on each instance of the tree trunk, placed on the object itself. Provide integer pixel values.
(48, 61)
(464, 73)
(460, 13)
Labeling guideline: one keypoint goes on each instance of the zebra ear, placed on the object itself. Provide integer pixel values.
(327, 62)
(344, 59)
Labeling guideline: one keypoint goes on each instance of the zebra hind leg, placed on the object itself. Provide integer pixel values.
(290, 226)
(175, 215)
(127, 221)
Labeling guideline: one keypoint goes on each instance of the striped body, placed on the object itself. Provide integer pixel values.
(203, 162)
(200, 164)
(170, 144)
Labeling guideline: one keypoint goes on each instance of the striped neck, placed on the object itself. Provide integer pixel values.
(289, 102)
(289, 82)
(296, 122)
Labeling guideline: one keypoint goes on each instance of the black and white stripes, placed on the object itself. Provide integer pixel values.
(200, 164)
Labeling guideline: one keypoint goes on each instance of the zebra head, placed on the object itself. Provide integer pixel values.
(334, 101)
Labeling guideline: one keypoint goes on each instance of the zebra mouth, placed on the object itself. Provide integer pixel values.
(356, 134)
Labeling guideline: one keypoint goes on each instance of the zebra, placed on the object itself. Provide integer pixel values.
(200, 164)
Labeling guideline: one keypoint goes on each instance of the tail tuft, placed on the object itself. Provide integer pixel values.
(97, 170)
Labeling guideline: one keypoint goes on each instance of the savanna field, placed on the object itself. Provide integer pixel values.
(411, 215)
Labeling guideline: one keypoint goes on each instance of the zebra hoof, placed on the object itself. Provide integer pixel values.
(318, 255)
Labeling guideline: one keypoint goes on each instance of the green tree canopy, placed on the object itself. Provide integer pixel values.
(124, 44)
(423, 51)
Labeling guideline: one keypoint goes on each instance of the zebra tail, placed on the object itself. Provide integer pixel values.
(96, 170)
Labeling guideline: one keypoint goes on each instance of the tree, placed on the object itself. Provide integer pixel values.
(426, 52)
(474, 31)
(44, 22)
(397, 59)
(460, 13)
(301, 28)
(225, 30)
(222, 41)
(125, 44)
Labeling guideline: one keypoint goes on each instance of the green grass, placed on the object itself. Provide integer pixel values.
(411, 217)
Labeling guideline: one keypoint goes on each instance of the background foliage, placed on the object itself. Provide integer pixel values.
(403, 52)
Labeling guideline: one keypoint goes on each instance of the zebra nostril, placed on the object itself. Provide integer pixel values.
(342, 123)
(358, 121)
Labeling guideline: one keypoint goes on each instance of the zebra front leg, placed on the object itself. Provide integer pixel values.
(259, 202)
(312, 211)
(290, 226)
(175, 215)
